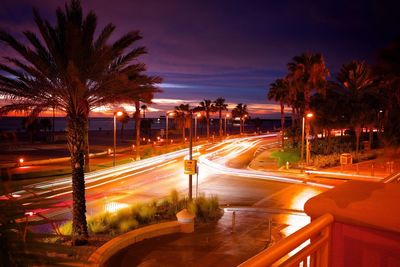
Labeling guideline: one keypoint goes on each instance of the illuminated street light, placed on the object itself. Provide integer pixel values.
(198, 115)
(226, 117)
(116, 114)
(166, 126)
(20, 162)
(243, 120)
(309, 116)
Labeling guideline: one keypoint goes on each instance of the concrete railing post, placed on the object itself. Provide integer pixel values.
(186, 219)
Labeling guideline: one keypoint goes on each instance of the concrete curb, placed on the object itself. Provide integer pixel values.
(105, 252)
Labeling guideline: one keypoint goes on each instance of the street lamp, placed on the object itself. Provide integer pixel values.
(119, 113)
(243, 119)
(308, 116)
(226, 117)
(166, 126)
(190, 152)
(198, 115)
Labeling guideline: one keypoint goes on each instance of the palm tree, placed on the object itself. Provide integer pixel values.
(123, 119)
(77, 71)
(240, 111)
(279, 92)
(147, 83)
(182, 111)
(388, 68)
(308, 73)
(208, 107)
(220, 105)
(144, 108)
(355, 78)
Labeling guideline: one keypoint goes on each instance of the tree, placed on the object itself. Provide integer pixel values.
(208, 107)
(330, 112)
(240, 111)
(355, 78)
(388, 69)
(181, 119)
(308, 73)
(220, 105)
(144, 108)
(279, 92)
(77, 71)
(45, 125)
(32, 127)
(123, 119)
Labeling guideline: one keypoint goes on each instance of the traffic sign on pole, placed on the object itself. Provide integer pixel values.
(190, 166)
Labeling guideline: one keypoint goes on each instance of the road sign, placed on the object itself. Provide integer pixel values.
(190, 166)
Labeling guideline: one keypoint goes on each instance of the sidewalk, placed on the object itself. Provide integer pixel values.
(212, 244)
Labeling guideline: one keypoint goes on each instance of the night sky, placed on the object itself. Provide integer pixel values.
(234, 49)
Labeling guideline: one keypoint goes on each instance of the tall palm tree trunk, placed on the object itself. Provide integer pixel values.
(371, 137)
(220, 124)
(137, 129)
(283, 124)
(358, 133)
(53, 125)
(208, 125)
(86, 147)
(293, 117)
(76, 142)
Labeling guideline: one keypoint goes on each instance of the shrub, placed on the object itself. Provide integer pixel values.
(146, 214)
(101, 222)
(66, 228)
(331, 160)
(128, 224)
(205, 208)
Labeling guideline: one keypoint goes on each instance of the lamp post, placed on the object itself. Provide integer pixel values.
(226, 117)
(166, 126)
(379, 121)
(119, 113)
(308, 116)
(198, 115)
(243, 120)
(190, 152)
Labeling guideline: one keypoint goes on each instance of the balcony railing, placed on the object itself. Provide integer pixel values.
(315, 253)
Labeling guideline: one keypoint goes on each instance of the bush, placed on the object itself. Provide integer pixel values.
(141, 214)
(146, 213)
(66, 228)
(128, 224)
(204, 208)
(325, 161)
(101, 222)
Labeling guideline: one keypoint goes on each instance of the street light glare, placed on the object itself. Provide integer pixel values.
(198, 115)
(309, 115)
(119, 113)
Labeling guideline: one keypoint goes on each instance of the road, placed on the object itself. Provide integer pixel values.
(155, 177)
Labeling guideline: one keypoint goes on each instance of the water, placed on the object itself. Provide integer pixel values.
(106, 124)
